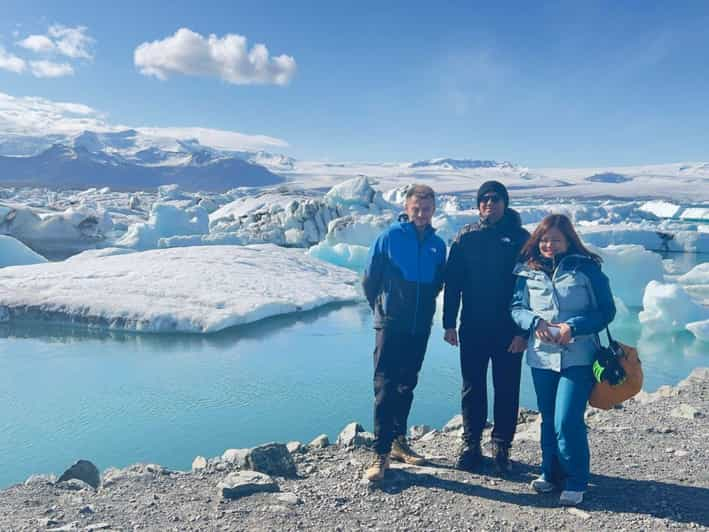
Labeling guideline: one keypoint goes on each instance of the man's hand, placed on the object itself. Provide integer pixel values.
(451, 336)
(564, 336)
(518, 344)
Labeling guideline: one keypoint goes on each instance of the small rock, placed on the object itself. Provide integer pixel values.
(348, 436)
(243, 483)
(366, 439)
(295, 447)
(199, 463)
(685, 411)
(272, 459)
(86, 510)
(236, 456)
(319, 442)
(525, 415)
(83, 470)
(455, 423)
(579, 513)
(70, 526)
(417, 431)
(98, 526)
(681, 453)
(289, 498)
(430, 435)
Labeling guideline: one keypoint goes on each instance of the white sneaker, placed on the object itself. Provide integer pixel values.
(571, 498)
(540, 485)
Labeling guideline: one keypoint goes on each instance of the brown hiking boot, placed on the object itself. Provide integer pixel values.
(379, 466)
(401, 452)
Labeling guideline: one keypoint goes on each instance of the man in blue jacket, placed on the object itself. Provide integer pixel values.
(403, 277)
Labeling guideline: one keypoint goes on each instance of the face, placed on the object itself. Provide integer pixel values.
(552, 243)
(492, 207)
(420, 211)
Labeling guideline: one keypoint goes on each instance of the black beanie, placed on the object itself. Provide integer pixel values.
(494, 186)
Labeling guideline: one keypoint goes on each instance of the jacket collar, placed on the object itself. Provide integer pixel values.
(567, 262)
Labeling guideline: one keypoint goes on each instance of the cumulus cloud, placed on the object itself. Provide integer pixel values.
(62, 40)
(49, 69)
(39, 116)
(228, 58)
(11, 62)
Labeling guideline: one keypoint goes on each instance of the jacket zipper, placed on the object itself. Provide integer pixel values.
(418, 283)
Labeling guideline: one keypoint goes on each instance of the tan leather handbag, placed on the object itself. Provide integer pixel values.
(605, 396)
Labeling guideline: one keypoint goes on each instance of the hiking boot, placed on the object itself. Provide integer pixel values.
(401, 452)
(571, 498)
(470, 457)
(542, 485)
(379, 466)
(501, 457)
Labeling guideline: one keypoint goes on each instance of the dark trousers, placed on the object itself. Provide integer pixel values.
(477, 349)
(398, 357)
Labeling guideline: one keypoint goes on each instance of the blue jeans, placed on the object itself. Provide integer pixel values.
(561, 399)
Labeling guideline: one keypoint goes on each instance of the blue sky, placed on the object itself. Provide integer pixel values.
(535, 83)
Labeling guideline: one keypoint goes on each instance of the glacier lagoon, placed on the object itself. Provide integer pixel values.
(122, 398)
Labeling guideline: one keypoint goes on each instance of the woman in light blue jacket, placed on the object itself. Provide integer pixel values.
(564, 300)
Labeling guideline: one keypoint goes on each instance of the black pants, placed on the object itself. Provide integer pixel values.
(398, 357)
(477, 348)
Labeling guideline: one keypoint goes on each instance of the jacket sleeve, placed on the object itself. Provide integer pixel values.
(441, 269)
(522, 314)
(595, 319)
(453, 277)
(374, 271)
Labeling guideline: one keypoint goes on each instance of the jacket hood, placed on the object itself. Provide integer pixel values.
(568, 262)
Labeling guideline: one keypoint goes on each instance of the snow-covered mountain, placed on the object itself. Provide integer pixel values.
(459, 164)
(128, 160)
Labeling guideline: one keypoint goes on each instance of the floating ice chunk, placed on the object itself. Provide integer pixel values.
(354, 195)
(361, 230)
(15, 253)
(667, 308)
(165, 221)
(656, 238)
(171, 192)
(661, 209)
(630, 268)
(695, 213)
(349, 256)
(194, 289)
(697, 275)
(700, 329)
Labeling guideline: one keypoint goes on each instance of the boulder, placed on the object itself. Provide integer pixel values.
(73, 484)
(272, 459)
(320, 442)
(349, 435)
(199, 463)
(416, 431)
(243, 483)
(295, 447)
(456, 423)
(84, 471)
(236, 456)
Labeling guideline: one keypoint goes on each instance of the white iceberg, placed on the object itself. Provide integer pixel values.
(15, 253)
(668, 307)
(194, 289)
(700, 329)
(630, 268)
(166, 220)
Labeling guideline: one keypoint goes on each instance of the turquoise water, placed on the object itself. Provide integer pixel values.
(118, 399)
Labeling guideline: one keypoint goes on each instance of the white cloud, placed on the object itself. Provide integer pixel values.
(39, 116)
(37, 43)
(72, 42)
(228, 58)
(49, 69)
(62, 40)
(11, 62)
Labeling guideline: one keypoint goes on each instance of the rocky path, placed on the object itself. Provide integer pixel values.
(650, 464)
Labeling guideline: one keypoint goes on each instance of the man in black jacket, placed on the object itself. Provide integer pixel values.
(479, 269)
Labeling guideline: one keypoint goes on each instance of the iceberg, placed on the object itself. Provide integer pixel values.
(199, 289)
(15, 253)
(667, 308)
(166, 220)
(630, 268)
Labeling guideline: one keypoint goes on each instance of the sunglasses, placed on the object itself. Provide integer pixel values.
(494, 198)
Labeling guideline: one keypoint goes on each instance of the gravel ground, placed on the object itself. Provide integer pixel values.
(650, 471)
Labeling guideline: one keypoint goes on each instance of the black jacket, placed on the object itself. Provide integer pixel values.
(479, 268)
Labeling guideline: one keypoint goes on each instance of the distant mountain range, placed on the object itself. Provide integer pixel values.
(459, 164)
(130, 160)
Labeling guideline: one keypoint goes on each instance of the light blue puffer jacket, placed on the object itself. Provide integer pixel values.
(578, 293)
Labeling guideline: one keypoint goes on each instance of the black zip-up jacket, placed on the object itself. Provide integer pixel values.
(479, 269)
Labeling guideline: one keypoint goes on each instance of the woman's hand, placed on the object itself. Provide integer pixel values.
(543, 332)
(564, 336)
(451, 336)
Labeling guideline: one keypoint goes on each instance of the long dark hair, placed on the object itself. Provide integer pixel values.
(530, 252)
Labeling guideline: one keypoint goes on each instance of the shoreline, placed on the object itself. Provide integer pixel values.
(655, 444)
